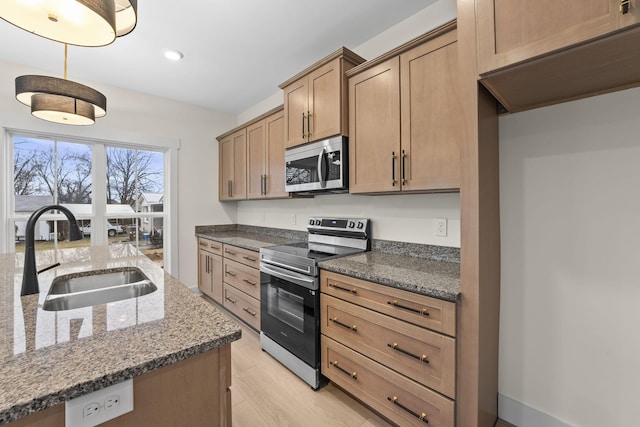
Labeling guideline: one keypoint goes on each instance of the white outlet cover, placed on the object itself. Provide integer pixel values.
(74, 408)
(440, 229)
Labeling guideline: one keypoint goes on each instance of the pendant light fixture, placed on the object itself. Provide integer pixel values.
(77, 22)
(60, 100)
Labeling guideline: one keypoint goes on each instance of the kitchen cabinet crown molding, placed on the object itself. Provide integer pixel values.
(250, 122)
(343, 52)
(433, 34)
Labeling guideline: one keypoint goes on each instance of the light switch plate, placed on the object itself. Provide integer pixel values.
(100, 406)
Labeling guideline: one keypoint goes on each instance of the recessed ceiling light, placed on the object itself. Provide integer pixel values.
(173, 55)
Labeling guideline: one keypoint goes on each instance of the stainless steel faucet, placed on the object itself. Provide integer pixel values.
(30, 274)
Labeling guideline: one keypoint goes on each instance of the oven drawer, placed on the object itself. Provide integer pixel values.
(242, 277)
(401, 400)
(210, 246)
(422, 355)
(431, 313)
(242, 305)
(243, 256)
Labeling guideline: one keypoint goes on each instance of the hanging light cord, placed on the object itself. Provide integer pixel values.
(65, 61)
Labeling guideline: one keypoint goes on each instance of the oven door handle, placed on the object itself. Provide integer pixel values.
(307, 282)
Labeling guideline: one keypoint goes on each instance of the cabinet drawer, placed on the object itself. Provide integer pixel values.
(243, 256)
(242, 305)
(421, 310)
(378, 386)
(242, 277)
(210, 246)
(425, 356)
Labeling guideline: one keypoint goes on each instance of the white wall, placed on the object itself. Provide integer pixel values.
(570, 206)
(404, 218)
(131, 113)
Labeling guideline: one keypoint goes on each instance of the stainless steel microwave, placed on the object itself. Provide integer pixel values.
(320, 166)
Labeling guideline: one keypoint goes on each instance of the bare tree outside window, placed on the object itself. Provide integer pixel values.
(132, 172)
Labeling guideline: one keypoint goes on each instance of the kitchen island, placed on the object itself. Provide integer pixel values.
(174, 345)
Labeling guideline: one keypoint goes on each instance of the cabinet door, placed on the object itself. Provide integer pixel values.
(204, 275)
(374, 129)
(225, 170)
(296, 107)
(256, 155)
(325, 101)
(430, 152)
(514, 31)
(233, 167)
(275, 165)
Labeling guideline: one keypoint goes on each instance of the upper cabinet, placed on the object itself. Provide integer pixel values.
(403, 118)
(315, 100)
(542, 52)
(233, 166)
(252, 159)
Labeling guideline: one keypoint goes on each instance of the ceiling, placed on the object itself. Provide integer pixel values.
(236, 52)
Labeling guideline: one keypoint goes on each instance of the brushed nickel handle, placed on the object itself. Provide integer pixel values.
(421, 416)
(204, 244)
(403, 168)
(344, 325)
(233, 301)
(422, 311)
(231, 273)
(422, 358)
(206, 268)
(227, 251)
(215, 248)
(303, 134)
(248, 258)
(353, 375)
(253, 313)
(230, 188)
(340, 288)
(249, 282)
(308, 124)
(393, 169)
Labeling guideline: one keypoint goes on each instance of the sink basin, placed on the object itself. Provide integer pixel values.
(97, 287)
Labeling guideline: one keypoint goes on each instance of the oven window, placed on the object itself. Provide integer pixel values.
(286, 307)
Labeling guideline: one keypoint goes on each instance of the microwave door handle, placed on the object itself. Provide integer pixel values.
(322, 170)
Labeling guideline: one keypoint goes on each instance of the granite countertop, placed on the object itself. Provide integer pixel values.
(250, 237)
(49, 357)
(426, 276)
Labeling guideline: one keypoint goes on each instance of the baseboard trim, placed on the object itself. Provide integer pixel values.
(522, 415)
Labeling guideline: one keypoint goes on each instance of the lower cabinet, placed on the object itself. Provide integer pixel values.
(210, 269)
(384, 355)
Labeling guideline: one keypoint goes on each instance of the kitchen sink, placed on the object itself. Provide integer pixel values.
(95, 287)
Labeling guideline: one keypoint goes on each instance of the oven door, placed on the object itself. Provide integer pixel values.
(290, 312)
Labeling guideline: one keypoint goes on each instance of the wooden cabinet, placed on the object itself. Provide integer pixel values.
(403, 118)
(315, 100)
(233, 166)
(241, 288)
(537, 53)
(265, 158)
(210, 269)
(392, 349)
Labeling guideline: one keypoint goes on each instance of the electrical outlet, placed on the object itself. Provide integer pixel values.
(440, 227)
(293, 219)
(111, 402)
(100, 406)
(91, 410)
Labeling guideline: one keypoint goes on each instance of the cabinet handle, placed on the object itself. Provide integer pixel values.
(248, 258)
(227, 251)
(404, 179)
(215, 248)
(308, 124)
(422, 311)
(624, 6)
(230, 188)
(231, 273)
(393, 169)
(303, 134)
(204, 244)
(249, 282)
(264, 184)
(233, 301)
(340, 288)
(344, 325)
(421, 416)
(353, 375)
(422, 358)
(206, 268)
(253, 313)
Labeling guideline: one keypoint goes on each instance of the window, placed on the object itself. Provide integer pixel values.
(116, 191)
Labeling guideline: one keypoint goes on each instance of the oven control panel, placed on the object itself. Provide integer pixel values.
(345, 224)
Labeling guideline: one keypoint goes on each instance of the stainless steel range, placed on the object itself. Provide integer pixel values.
(290, 291)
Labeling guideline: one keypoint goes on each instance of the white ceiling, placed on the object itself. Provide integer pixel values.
(236, 52)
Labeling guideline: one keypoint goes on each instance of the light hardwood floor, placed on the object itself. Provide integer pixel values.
(264, 393)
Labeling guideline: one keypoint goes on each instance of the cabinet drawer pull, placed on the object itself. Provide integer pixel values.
(624, 6)
(421, 416)
(422, 311)
(403, 169)
(215, 248)
(344, 325)
(227, 251)
(233, 301)
(393, 169)
(231, 273)
(230, 188)
(204, 244)
(353, 375)
(422, 358)
(253, 313)
(353, 291)
(248, 258)
(249, 282)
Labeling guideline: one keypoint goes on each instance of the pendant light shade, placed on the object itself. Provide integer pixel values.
(62, 109)
(76, 22)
